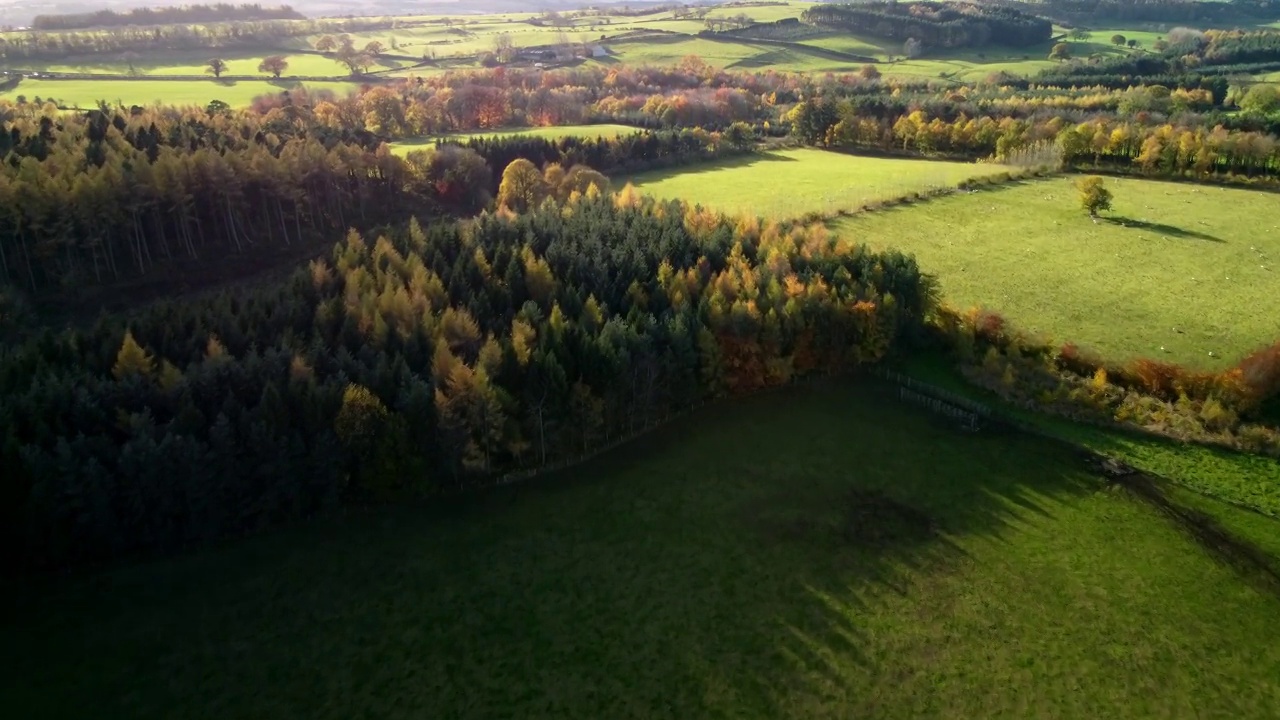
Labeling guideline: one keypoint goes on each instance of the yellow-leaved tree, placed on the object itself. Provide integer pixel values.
(522, 187)
(132, 359)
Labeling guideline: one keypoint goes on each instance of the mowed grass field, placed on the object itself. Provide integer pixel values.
(789, 183)
(237, 93)
(604, 130)
(793, 555)
(1191, 269)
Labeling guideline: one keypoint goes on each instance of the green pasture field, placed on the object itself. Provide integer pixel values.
(1145, 37)
(968, 65)
(662, 51)
(763, 13)
(1191, 269)
(791, 183)
(792, 555)
(605, 130)
(976, 63)
(87, 93)
(854, 44)
(194, 63)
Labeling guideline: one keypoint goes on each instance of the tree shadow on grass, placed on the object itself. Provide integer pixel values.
(732, 163)
(725, 565)
(1162, 229)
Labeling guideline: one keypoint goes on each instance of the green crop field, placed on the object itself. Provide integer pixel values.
(1170, 268)
(793, 555)
(791, 183)
(605, 130)
(87, 93)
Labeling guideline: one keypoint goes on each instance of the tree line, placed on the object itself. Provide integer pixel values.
(935, 24)
(430, 357)
(185, 14)
(628, 153)
(255, 34)
(1165, 149)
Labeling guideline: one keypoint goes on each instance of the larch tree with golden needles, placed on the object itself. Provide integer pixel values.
(132, 359)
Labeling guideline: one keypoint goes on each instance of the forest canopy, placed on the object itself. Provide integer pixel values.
(935, 24)
(432, 357)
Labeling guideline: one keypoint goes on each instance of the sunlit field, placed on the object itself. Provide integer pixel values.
(1163, 276)
(791, 183)
(604, 130)
(87, 93)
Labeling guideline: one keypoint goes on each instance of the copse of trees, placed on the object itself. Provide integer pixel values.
(185, 14)
(524, 187)
(935, 24)
(343, 50)
(427, 359)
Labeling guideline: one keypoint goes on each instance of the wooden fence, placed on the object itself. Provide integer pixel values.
(972, 415)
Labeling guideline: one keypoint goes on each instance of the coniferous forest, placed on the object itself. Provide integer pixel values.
(418, 361)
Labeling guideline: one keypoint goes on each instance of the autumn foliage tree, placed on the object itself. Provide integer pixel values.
(276, 65)
(522, 186)
(216, 67)
(1094, 195)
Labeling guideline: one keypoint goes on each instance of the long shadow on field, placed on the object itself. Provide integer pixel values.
(1163, 229)
(1250, 561)
(727, 565)
(740, 161)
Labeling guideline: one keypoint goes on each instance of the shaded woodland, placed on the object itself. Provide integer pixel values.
(432, 357)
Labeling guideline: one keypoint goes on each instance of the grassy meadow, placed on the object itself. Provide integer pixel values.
(237, 93)
(792, 555)
(791, 183)
(605, 130)
(190, 63)
(1165, 275)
